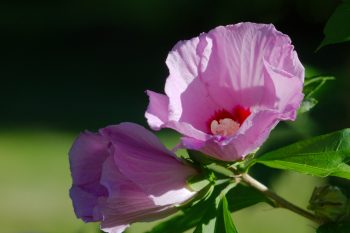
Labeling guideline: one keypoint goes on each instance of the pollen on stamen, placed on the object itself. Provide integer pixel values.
(224, 127)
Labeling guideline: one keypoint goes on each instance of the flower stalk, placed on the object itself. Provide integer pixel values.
(278, 201)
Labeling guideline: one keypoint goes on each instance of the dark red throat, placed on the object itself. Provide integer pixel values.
(239, 114)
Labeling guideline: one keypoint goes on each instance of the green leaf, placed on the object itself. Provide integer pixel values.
(211, 219)
(203, 159)
(323, 156)
(224, 223)
(183, 221)
(334, 228)
(313, 84)
(244, 196)
(238, 198)
(337, 28)
(219, 167)
(225, 172)
(199, 182)
(207, 223)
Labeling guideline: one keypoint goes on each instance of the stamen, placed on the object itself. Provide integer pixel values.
(225, 127)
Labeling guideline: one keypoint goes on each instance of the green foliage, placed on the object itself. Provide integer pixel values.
(323, 156)
(224, 222)
(202, 159)
(311, 86)
(207, 223)
(217, 217)
(337, 28)
(203, 213)
(334, 228)
(213, 167)
(243, 196)
(199, 182)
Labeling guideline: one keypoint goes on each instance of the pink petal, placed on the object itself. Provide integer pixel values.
(117, 229)
(131, 205)
(133, 135)
(153, 168)
(237, 60)
(235, 65)
(157, 111)
(189, 100)
(85, 202)
(127, 202)
(287, 90)
(86, 156)
(113, 179)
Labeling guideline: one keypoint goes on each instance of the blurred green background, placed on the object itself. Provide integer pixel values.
(72, 65)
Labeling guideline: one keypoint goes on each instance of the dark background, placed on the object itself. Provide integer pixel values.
(77, 65)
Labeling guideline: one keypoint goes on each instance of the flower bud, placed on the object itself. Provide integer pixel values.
(329, 203)
(123, 174)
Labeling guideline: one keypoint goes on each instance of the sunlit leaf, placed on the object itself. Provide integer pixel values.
(199, 182)
(238, 198)
(224, 222)
(325, 155)
(214, 219)
(208, 221)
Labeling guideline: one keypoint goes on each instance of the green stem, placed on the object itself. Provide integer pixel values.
(278, 200)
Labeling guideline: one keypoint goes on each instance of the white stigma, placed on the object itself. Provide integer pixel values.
(225, 127)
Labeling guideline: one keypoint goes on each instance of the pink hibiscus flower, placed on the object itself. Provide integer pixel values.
(228, 88)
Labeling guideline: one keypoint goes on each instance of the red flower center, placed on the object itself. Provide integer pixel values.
(227, 123)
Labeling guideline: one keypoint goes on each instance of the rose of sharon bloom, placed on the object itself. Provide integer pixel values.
(228, 88)
(123, 174)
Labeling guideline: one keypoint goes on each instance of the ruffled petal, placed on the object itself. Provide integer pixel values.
(235, 64)
(146, 162)
(113, 179)
(133, 135)
(157, 111)
(189, 100)
(237, 60)
(85, 202)
(86, 157)
(288, 91)
(126, 203)
(132, 205)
